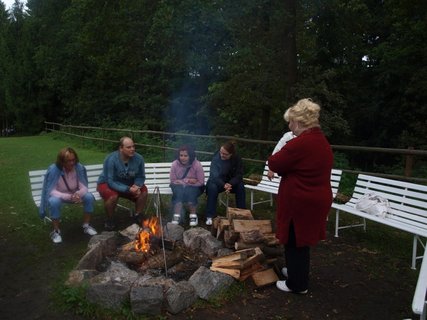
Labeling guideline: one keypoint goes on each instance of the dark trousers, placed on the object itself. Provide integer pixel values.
(297, 262)
(213, 191)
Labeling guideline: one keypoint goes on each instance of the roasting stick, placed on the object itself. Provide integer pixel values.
(157, 206)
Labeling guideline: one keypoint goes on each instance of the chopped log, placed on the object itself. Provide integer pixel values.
(237, 213)
(240, 245)
(265, 277)
(258, 256)
(230, 237)
(132, 257)
(246, 273)
(270, 239)
(252, 236)
(232, 272)
(157, 261)
(264, 226)
(273, 251)
(128, 246)
(238, 255)
(222, 225)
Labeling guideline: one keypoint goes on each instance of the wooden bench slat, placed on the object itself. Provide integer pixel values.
(272, 187)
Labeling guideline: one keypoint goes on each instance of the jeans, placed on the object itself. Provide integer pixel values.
(213, 191)
(55, 205)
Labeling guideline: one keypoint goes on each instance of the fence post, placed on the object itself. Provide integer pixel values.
(409, 163)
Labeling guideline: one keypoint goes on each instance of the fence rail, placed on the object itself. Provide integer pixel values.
(101, 135)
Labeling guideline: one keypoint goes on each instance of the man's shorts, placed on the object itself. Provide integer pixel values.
(106, 192)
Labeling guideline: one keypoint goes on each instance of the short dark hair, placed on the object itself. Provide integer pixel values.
(230, 146)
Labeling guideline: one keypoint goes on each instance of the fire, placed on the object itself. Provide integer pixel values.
(150, 228)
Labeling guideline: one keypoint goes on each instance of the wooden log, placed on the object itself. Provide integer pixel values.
(257, 257)
(264, 226)
(270, 239)
(264, 277)
(240, 245)
(237, 213)
(132, 257)
(252, 236)
(222, 225)
(157, 261)
(230, 237)
(246, 273)
(232, 272)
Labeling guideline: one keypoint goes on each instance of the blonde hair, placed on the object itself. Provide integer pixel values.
(305, 111)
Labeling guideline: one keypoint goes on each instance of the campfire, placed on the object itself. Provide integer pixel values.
(150, 231)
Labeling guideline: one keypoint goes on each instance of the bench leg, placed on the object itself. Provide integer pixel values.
(271, 199)
(252, 199)
(414, 253)
(337, 222)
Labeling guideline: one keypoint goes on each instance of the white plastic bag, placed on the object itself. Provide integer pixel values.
(373, 204)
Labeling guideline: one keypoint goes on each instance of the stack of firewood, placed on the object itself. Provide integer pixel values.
(241, 232)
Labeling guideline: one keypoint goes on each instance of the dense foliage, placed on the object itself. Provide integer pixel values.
(218, 67)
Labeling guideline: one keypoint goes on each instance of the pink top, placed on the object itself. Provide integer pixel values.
(61, 190)
(195, 176)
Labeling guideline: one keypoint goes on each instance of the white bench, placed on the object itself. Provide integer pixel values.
(156, 175)
(419, 303)
(272, 187)
(408, 207)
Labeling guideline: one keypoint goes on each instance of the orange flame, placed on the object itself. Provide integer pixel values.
(150, 228)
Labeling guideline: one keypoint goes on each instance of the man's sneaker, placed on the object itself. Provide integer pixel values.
(285, 271)
(176, 218)
(89, 230)
(193, 220)
(109, 225)
(281, 285)
(56, 236)
(208, 221)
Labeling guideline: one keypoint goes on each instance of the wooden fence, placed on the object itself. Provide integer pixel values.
(108, 138)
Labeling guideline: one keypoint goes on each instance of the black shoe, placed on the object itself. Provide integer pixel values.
(139, 218)
(109, 225)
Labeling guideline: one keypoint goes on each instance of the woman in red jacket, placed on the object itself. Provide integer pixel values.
(305, 195)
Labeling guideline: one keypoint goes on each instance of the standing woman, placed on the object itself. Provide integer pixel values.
(187, 183)
(305, 195)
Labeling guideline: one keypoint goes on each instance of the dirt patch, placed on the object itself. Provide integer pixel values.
(347, 282)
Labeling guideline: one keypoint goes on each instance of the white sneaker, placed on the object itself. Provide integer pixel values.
(56, 236)
(89, 230)
(208, 221)
(176, 218)
(281, 285)
(194, 221)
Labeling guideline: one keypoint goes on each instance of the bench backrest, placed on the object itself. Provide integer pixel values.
(274, 184)
(157, 175)
(408, 201)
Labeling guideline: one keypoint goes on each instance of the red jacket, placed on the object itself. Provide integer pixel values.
(305, 194)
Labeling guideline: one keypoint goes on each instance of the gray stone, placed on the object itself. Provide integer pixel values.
(117, 273)
(208, 283)
(201, 239)
(180, 297)
(76, 277)
(224, 252)
(92, 258)
(108, 239)
(108, 295)
(147, 299)
(131, 231)
(173, 232)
